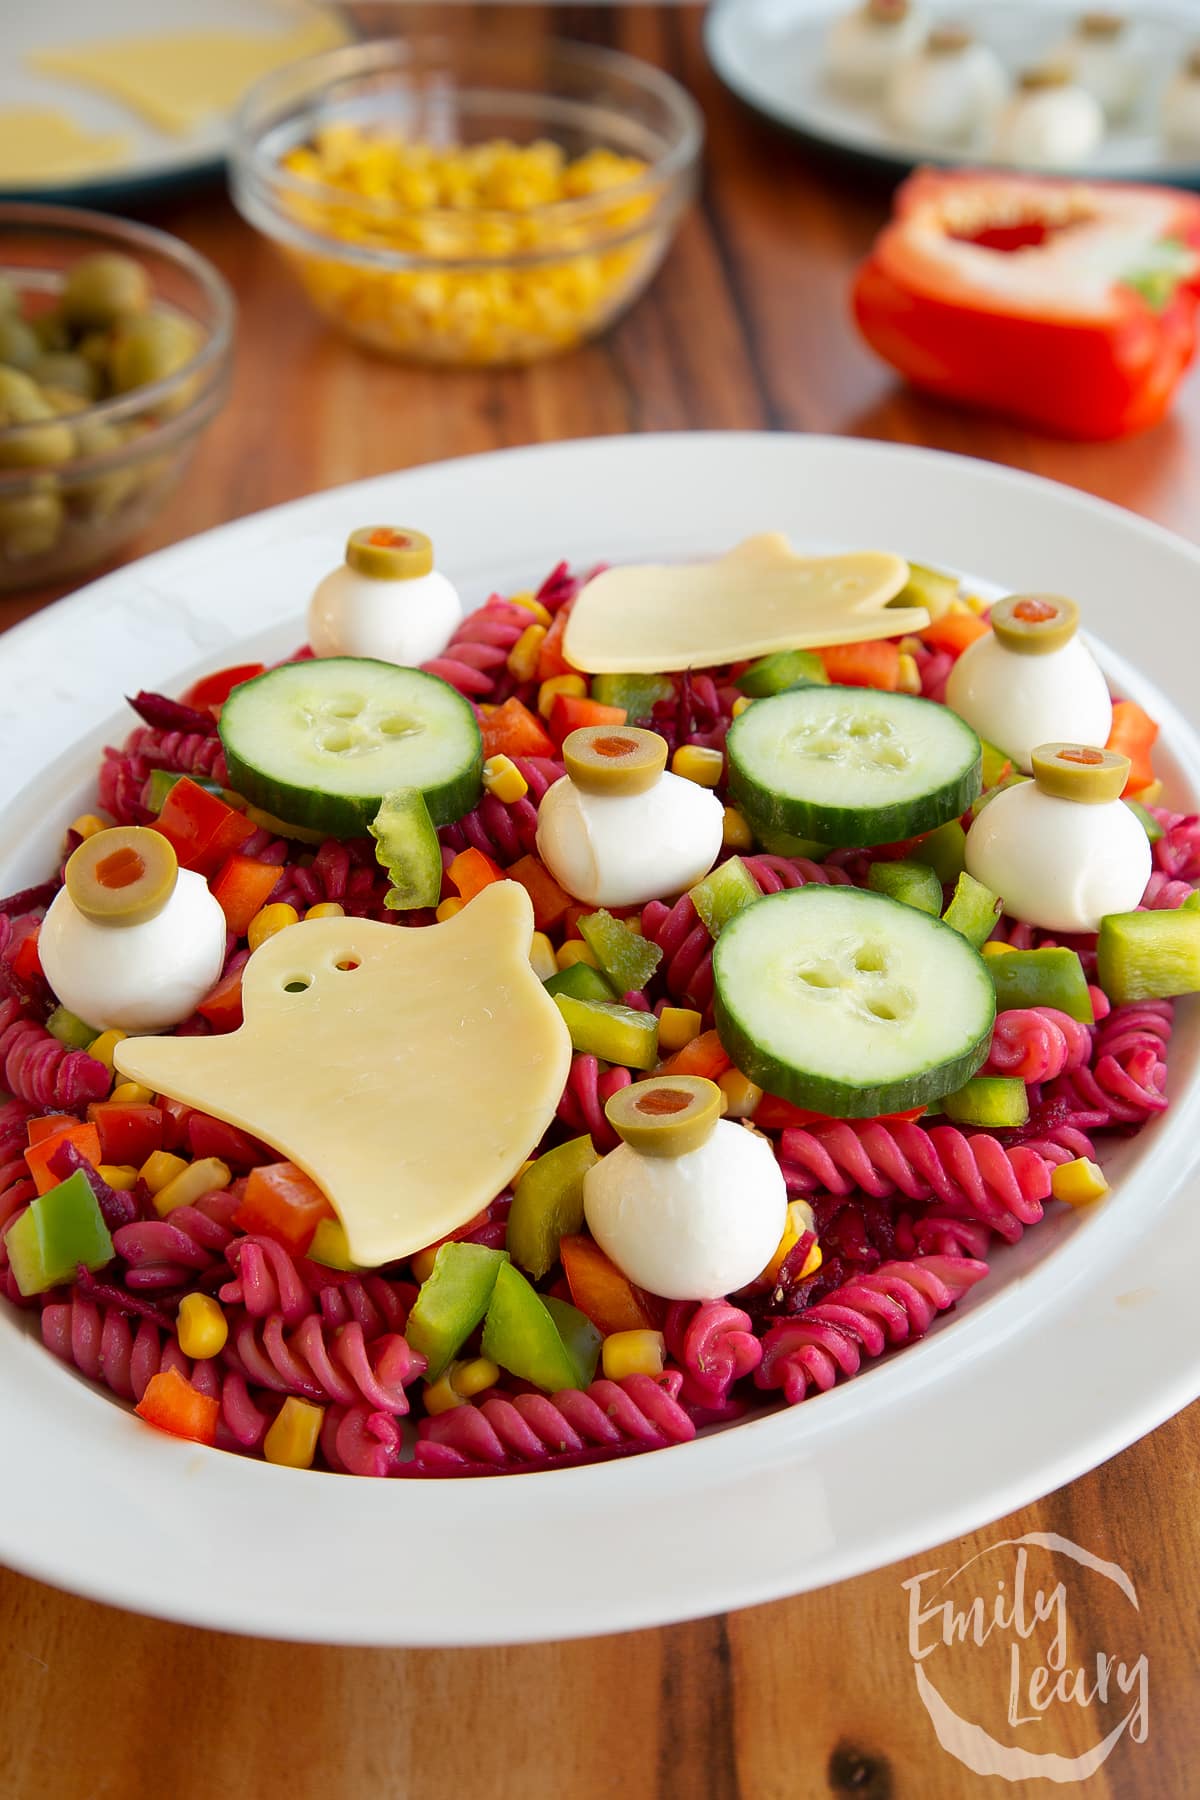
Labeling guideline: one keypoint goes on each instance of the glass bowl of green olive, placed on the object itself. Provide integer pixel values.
(115, 349)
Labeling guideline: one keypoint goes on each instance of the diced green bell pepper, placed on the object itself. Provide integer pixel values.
(945, 851)
(1192, 903)
(627, 959)
(994, 1101)
(973, 910)
(913, 884)
(452, 1301)
(523, 1336)
(989, 793)
(1146, 820)
(780, 670)
(547, 1204)
(407, 846)
(996, 764)
(619, 1034)
(61, 1229)
(159, 783)
(331, 1247)
(1050, 977)
(581, 982)
(580, 1336)
(1148, 955)
(724, 893)
(69, 1030)
(786, 843)
(638, 694)
(931, 588)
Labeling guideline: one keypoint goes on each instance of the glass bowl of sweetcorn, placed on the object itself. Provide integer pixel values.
(469, 200)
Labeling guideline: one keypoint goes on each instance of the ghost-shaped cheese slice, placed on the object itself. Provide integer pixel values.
(762, 596)
(408, 1072)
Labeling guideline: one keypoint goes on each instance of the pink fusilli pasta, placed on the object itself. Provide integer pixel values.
(581, 1107)
(36, 1068)
(714, 1345)
(321, 1363)
(1036, 1044)
(538, 1429)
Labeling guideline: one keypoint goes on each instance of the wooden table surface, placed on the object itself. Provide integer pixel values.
(746, 327)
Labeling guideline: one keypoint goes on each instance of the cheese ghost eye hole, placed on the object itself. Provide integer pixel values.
(614, 759)
(1034, 624)
(389, 552)
(297, 984)
(1080, 772)
(667, 1115)
(122, 876)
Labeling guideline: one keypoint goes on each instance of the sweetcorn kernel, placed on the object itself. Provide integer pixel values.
(541, 955)
(696, 763)
(799, 1220)
(633, 1353)
(131, 1093)
(997, 947)
(441, 1395)
(326, 909)
(575, 951)
(741, 1094)
(532, 604)
(293, 1437)
(1079, 1183)
(88, 824)
(269, 921)
(448, 907)
(523, 657)
(735, 833)
(502, 777)
(102, 1047)
(573, 686)
(677, 1026)
(908, 674)
(473, 1377)
(202, 1326)
(740, 704)
(121, 1176)
(193, 1181)
(422, 1264)
(161, 1168)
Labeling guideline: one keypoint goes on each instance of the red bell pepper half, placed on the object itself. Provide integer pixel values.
(1068, 305)
(202, 829)
(213, 690)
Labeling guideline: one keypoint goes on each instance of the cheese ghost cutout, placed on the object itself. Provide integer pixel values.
(409, 1073)
(760, 597)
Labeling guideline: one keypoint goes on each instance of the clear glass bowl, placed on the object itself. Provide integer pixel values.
(126, 453)
(470, 287)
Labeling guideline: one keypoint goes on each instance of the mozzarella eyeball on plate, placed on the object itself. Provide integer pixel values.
(618, 829)
(689, 1205)
(1063, 849)
(1181, 106)
(863, 46)
(948, 91)
(1100, 53)
(131, 942)
(1031, 679)
(1049, 122)
(386, 601)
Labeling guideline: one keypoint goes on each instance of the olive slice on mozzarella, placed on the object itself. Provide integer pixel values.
(389, 552)
(666, 1116)
(607, 759)
(1034, 624)
(122, 876)
(1080, 772)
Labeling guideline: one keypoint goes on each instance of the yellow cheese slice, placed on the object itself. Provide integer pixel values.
(177, 80)
(39, 144)
(410, 1078)
(759, 597)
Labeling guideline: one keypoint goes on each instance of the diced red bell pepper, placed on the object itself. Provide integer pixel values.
(472, 871)
(1133, 734)
(954, 631)
(213, 1137)
(774, 1114)
(175, 1121)
(174, 1405)
(38, 1130)
(38, 1157)
(705, 1055)
(1080, 321)
(549, 901)
(569, 712)
(551, 660)
(25, 962)
(202, 829)
(873, 664)
(512, 730)
(243, 888)
(128, 1133)
(599, 1289)
(213, 690)
(223, 1006)
(281, 1202)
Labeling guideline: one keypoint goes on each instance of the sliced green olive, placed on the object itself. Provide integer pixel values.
(29, 523)
(614, 759)
(122, 876)
(668, 1115)
(19, 348)
(1034, 624)
(67, 372)
(149, 349)
(103, 288)
(52, 331)
(389, 552)
(1080, 772)
(22, 403)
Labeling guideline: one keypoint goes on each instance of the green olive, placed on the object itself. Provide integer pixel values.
(1034, 624)
(122, 876)
(1080, 772)
(668, 1115)
(44, 442)
(149, 349)
(19, 348)
(389, 552)
(51, 331)
(104, 288)
(614, 759)
(29, 523)
(68, 372)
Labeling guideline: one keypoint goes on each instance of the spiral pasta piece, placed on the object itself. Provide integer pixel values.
(356, 1440)
(505, 830)
(36, 1068)
(1037, 1043)
(324, 1364)
(866, 1316)
(714, 1344)
(1165, 893)
(583, 1099)
(536, 1429)
(166, 1253)
(475, 661)
(183, 752)
(1177, 852)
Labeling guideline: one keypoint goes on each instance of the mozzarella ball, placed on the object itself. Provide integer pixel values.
(1181, 108)
(135, 978)
(1106, 65)
(861, 50)
(1060, 864)
(625, 849)
(946, 97)
(1052, 127)
(1018, 701)
(690, 1227)
(407, 622)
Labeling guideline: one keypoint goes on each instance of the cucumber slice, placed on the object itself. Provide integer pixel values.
(848, 765)
(322, 742)
(850, 1004)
